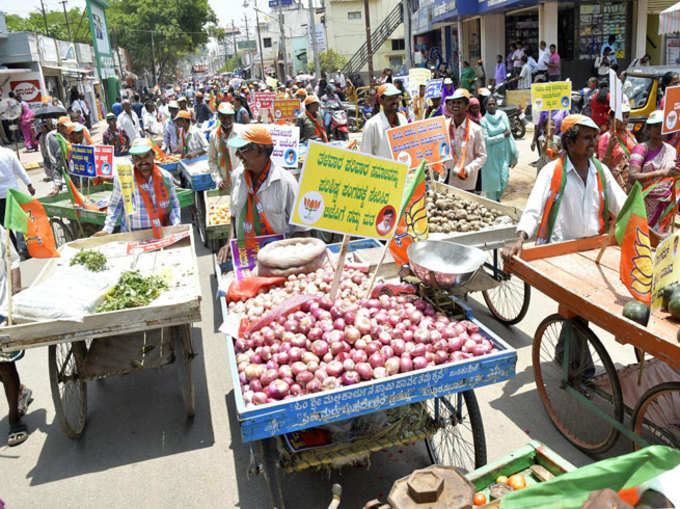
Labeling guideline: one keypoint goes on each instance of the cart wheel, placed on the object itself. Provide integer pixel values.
(69, 390)
(460, 440)
(271, 473)
(61, 231)
(199, 216)
(592, 375)
(653, 418)
(509, 301)
(184, 354)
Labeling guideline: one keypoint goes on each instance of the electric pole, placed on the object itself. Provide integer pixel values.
(245, 18)
(283, 43)
(68, 25)
(233, 33)
(312, 37)
(369, 48)
(259, 40)
(406, 12)
(42, 6)
(153, 60)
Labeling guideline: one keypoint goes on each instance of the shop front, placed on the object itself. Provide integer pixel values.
(458, 38)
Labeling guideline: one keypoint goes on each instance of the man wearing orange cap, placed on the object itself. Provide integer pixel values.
(374, 139)
(310, 122)
(574, 195)
(190, 141)
(222, 158)
(262, 194)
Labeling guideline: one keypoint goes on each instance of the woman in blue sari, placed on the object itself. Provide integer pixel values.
(500, 149)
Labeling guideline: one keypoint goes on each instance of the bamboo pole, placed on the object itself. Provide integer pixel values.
(339, 268)
(8, 273)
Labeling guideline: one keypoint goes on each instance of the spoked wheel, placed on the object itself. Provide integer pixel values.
(460, 440)
(69, 390)
(591, 381)
(61, 231)
(655, 416)
(509, 301)
(271, 473)
(184, 354)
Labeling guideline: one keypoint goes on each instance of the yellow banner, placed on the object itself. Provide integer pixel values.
(418, 76)
(344, 191)
(127, 186)
(518, 97)
(271, 82)
(666, 268)
(555, 95)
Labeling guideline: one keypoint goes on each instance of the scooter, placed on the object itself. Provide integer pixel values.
(355, 121)
(335, 120)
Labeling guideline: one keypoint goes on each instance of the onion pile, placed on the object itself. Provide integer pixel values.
(323, 345)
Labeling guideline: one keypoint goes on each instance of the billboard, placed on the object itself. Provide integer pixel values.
(96, 10)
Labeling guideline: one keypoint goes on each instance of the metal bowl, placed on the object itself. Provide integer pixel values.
(444, 264)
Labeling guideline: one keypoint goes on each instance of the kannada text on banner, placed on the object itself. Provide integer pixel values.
(426, 139)
(348, 192)
(419, 76)
(103, 160)
(127, 185)
(81, 162)
(286, 141)
(555, 95)
(286, 110)
(671, 111)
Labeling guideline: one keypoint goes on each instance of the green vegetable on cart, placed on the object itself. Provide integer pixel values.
(637, 311)
(92, 260)
(133, 290)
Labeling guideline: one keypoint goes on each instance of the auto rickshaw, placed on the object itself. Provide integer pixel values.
(644, 89)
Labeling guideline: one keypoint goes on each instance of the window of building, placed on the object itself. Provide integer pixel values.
(396, 62)
(267, 42)
(354, 15)
(398, 45)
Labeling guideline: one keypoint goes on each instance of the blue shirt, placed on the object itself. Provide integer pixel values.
(612, 53)
(116, 108)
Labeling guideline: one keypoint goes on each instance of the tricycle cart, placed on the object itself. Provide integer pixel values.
(70, 222)
(574, 373)
(117, 342)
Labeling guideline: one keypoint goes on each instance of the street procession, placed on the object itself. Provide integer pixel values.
(327, 254)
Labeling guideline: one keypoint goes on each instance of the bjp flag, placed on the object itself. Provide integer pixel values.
(632, 234)
(413, 217)
(27, 215)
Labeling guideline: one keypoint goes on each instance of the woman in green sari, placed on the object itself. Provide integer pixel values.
(500, 149)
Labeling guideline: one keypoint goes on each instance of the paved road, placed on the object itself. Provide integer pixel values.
(139, 450)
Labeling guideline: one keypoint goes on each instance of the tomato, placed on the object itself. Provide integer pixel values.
(517, 482)
(479, 499)
(501, 479)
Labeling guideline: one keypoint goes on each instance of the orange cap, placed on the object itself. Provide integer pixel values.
(183, 114)
(577, 119)
(301, 92)
(311, 100)
(388, 89)
(255, 134)
(64, 119)
(199, 94)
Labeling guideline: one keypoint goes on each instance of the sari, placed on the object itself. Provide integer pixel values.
(501, 152)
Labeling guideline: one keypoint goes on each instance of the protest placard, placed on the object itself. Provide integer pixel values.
(103, 160)
(286, 110)
(244, 257)
(666, 267)
(426, 139)
(286, 141)
(554, 95)
(671, 111)
(264, 100)
(434, 88)
(615, 95)
(127, 186)
(81, 161)
(348, 192)
(419, 76)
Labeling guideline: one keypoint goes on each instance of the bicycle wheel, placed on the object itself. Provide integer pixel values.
(69, 390)
(591, 373)
(460, 440)
(509, 301)
(61, 231)
(655, 416)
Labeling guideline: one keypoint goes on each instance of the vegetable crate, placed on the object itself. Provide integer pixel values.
(196, 173)
(219, 200)
(171, 167)
(535, 462)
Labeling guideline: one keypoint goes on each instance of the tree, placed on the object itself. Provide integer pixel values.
(329, 61)
(178, 28)
(56, 24)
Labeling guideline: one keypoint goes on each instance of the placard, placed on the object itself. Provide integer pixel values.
(286, 141)
(666, 267)
(615, 95)
(81, 161)
(264, 100)
(554, 95)
(286, 110)
(426, 139)
(434, 88)
(271, 82)
(671, 111)
(103, 160)
(244, 258)
(520, 97)
(127, 186)
(348, 192)
(147, 246)
(419, 76)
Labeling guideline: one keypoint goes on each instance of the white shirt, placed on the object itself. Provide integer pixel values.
(578, 215)
(10, 169)
(276, 195)
(543, 57)
(374, 139)
(151, 123)
(129, 124)
(525, 77)
(81, 106)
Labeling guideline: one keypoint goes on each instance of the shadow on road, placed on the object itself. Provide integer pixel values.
(130, 419)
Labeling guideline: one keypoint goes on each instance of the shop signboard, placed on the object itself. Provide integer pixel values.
(67, 52)
(426, 139)
(28, 87)
(246, 45)
(554, 95)
(48, 50)
(347, 192)
(96, 11)
(671, 111)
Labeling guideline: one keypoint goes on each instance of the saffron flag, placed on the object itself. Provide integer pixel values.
(76, 197)
(27, 215)
(412, 225)
(632, 234)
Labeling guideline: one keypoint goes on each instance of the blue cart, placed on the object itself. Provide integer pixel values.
(453, 434)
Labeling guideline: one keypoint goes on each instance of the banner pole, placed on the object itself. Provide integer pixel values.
(340, 267)
(377, 267)
(8, 272)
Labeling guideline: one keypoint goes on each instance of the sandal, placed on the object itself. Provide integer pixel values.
(18, 433)
(25, 399)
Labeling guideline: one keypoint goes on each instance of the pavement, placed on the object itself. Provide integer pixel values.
(139, 449)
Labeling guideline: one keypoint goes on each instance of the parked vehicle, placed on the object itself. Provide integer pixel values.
(643, 87)
(335, 120)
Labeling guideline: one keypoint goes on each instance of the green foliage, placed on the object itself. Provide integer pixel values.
(229, 67)
(329, 61)
(93, 260)
(56, 24)
(133, 290)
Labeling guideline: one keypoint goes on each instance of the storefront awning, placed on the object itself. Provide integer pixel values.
(492, 5)
(669, 20)
(66, 69)
(447, 11)
(14, 71)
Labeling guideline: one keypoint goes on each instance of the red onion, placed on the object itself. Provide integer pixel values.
(314, 385)
(421, 335)
(281, 358)
(260, 398)
(407, 336)
(350, 378)
(379, 372)
(352, 334)
(349, 317)
(373, 303)
(299, 340)
(362, 342)
(478, 350)
(298, 367)
(398, 345)
(455, 344)
(334, 368)
(364, 369)
(309, 357)
(394, 319)
(295, 390)
(337, 347)
(304, 378)
(405, 364)
(239, 346)
(254, 371)
(285, 371)
(242, 378)
(384, 338)
(414, 316)
(295, 354)
(419, 362)
(339, 324)
(328, 357)
(330, 383)
(387, 351)
(348, 364)
(435, 336)
(277, 389)
(314, 333)
(341, 356)
(392, 365)
(358, 355)
(319, 348)
(257, 338)
(255, 385)
(320, 374)
(429, 356)
(441, 356)
(376, 360)
(291, 325)
(477, 337)
(336, 312)
(312, 366)
(441, 344)
(459, 328)
(363, 324)
(418, 350)
(373, 347)
(469, 345)
(271, 364)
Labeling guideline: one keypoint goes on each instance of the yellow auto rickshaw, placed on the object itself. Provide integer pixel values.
(644, 87)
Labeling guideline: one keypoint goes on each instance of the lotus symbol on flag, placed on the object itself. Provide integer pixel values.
(642, 263)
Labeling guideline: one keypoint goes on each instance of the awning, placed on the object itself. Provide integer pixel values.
(447, 11)
(66, 69)
(506, 5)
(14, 71)
(669, 20)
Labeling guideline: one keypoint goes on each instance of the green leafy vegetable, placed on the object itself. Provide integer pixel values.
(93, 260)
(133, 290)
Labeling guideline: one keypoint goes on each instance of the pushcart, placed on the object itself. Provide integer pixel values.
(450, 420)
(117, 342)
(574, 373)
(70, 222)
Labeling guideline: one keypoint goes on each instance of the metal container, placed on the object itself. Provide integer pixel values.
(444, 264)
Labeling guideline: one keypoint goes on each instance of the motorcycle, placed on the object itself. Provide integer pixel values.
(357, 118)
(335, 120)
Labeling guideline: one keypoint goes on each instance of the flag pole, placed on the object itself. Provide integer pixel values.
(8, 272)
(612, 229)
(377, 267)
(340, 267)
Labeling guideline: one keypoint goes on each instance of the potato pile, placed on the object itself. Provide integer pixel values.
(449, 214)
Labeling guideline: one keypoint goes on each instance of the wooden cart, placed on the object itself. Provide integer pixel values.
(114, 343)
(574, 373)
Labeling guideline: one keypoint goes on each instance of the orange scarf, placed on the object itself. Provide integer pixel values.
(157, 216)
(460, 162)
(225, 157)
(318, 130)
(255, 222)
